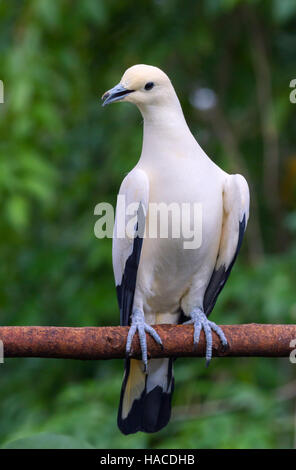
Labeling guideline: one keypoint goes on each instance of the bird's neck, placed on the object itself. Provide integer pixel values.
(165, 132)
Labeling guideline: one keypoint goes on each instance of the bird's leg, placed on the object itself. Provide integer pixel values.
(200, 321)
(138, 325)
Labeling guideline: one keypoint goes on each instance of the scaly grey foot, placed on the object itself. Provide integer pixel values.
(138, 325)
(200, 321)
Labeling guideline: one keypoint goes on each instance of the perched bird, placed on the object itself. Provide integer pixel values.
(157, 279)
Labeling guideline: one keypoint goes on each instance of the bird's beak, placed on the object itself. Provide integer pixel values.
(115, 94)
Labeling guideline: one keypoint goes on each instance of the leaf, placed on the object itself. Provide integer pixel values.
(17, 211)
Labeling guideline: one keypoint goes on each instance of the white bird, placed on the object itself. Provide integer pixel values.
(157, 279)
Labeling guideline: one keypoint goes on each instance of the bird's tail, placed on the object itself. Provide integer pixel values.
(145, 401)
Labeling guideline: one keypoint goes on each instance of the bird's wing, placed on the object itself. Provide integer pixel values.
(236, 201)
(132, 204)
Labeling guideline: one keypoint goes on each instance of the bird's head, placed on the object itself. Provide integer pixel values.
(142, 85)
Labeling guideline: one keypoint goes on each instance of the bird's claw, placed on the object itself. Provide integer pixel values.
(138, 325)
(200, 321)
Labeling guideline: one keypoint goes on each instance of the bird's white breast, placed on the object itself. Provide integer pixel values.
(166, 268)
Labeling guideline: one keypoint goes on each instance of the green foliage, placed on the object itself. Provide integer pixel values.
(48, 441)
(61, 154)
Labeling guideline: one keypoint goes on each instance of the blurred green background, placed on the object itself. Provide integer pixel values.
(61, 153)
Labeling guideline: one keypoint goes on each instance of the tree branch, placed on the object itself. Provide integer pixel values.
(109, 342)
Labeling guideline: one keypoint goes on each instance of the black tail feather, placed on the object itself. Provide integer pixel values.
(152, 411)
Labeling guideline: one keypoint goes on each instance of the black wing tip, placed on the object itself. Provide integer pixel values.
(126, 290)
(220, 276)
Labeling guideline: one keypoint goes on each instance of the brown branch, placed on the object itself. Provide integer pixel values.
(109, 342)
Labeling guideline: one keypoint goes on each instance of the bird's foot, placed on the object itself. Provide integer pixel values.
(200, 321)
(138, 325)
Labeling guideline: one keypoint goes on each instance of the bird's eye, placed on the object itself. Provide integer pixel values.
(149, 85)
